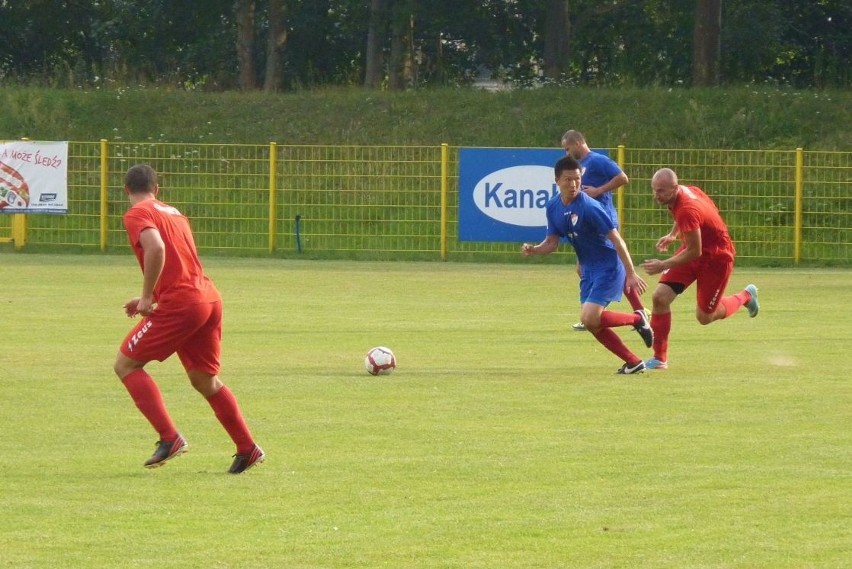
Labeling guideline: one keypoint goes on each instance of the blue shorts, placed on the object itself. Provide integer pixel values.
(602, 286)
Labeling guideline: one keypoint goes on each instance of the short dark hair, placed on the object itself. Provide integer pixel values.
(140, 179)
(567, 162)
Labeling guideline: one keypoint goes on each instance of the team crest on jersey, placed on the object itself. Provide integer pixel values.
(574, 218)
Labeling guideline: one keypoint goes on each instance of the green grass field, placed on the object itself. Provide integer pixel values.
(503, 439)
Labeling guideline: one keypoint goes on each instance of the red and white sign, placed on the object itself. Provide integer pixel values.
(33, 177)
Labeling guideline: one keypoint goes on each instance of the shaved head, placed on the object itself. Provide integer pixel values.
(664, 177)
(664, 184)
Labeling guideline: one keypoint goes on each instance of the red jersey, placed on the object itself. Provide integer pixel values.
(693, 209)
(182, 280)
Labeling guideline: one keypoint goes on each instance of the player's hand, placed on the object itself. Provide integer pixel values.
(653, 266)
(527, 249)
(138, 305)
(145, 306)
(130, 307)
(664, 242)
(635, 282)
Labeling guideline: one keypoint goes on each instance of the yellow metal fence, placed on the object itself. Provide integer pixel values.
(380, 202)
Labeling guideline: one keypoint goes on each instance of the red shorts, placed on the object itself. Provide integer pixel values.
(711, 274)
(192, 331)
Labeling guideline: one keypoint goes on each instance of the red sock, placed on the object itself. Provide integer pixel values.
(227, 410)
(149, 400)
(734, 302)
(633, 298)
(610, 319)
(613, 343)
(661, 324)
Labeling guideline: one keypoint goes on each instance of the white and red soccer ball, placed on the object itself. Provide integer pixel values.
(380, 361)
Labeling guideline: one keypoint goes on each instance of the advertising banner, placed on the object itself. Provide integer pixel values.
(503, 191)
(33, 177)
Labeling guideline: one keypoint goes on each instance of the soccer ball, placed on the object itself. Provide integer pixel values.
(379, 361)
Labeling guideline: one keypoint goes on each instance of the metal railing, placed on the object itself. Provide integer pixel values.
(377, 202)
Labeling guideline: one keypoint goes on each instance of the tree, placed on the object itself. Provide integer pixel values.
(706, 46)
(276, 38)
(373, 55)
(557, 39)
(244, 10)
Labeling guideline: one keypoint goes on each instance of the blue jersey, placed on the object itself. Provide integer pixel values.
(584, 224)
(596, 170)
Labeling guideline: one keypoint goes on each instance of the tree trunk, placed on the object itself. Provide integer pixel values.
(557, 35)
(396, 65)
(276, 41)
(244, 10)
(706, 50)
(373, 63)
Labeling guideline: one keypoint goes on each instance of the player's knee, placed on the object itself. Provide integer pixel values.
(704, 318)
(662, 300)
(204, 383)
(123, 366)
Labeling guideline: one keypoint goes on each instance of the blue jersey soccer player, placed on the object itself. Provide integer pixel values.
(599, 177)
(603, 258)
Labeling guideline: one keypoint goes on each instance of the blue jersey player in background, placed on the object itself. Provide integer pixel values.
(603, 258)
(600, 176)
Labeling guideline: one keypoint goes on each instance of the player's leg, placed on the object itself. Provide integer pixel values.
(671, 284)
(711, 302)
(579, 326)
(634, 299)
(140, 346)
(602, 289)
(661, 321)
(199, 355)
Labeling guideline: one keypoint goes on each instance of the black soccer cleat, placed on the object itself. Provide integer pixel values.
(644, 328)
(167, 451)
(243, 462)
(628, 369)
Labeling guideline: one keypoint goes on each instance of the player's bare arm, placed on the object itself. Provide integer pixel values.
(632, 281)
(615, 183)
(549, 245)
(154, 261)
(666, 240)
(690, 252)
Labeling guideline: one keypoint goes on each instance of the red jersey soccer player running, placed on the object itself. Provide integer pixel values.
(181, 313)
(706, 256)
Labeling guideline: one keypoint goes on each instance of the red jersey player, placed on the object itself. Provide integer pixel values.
(181, 313)
(706, 257)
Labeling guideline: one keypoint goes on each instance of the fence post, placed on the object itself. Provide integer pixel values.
(19, 227)
(797, 223)
(273, 205)
(104, 221)
(619, 196)
(445, 159)
(19, 230)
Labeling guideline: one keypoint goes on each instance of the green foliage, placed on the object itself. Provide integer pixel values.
(503, 439)
(741, 118)
(192, 45)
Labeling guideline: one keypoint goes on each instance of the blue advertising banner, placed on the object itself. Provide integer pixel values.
(503, 191)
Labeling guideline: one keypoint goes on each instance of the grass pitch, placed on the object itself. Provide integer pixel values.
(503, 439)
